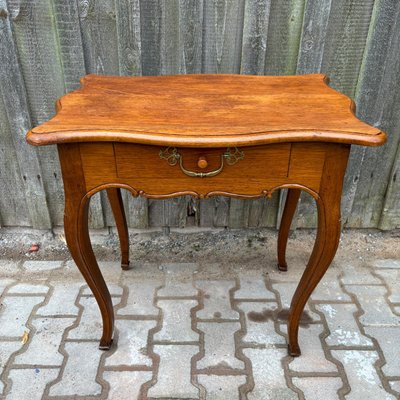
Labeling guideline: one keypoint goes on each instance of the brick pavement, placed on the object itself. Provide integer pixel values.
(182, 336)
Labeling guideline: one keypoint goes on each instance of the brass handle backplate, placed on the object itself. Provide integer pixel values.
(230, 156)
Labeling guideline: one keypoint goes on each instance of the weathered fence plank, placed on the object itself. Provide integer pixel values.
(309, 60)
(390, 218)
(286, 19)
(14, 99)
(13, 207)
(255, 36)
(130, 63)
(378, 102)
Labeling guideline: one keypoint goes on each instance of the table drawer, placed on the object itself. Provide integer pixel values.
(250, 171)
(151, 161)
(161, 170)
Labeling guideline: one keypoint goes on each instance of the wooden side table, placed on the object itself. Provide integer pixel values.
(204, 135)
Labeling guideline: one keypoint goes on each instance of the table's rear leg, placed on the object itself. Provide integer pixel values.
(117, 206)
(78, 241)
(292, 199)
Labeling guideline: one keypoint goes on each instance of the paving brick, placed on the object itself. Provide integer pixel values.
(328, 289)
(177, 324)
(9, 268)
(286, 291)
(377, 311)
(79, 376)
(269, 377)
(125, 384)
(260, 327)
(217, 303)
(219, 345)
(253, 287)
(41, 265)
(293, 274)
(395, 385)
(358, 276)
(361, 374)
(114, 289)
(62, 301)
(173, 379)
(90, 325)
(44, 345)
(222, 387)
(317, 388)
(388, 338)
(392, 280)
(312, 357)
(388, 263)
(27, 288)
(178, 280)
(33, 378)
(132, 342)
(140, 299)
(342, 325)
(4, 283)
(14, 313)
(6, 350)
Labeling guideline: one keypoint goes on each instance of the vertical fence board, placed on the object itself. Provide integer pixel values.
(222, 48)
(36, 40)
(390, 218)
(13, 207)
(311, 51)
(70, 42)
(130, 63)
(255, 36)
(222, 35)
(283, 40)
(100, 44)
(346, 36)
(313, 36)
(378, 100)
(14, 99)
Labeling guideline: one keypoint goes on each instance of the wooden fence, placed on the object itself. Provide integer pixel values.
(47, 45)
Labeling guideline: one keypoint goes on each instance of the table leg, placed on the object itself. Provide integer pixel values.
(78, 241)
(328, 234)
(292, 199)
(117, 206)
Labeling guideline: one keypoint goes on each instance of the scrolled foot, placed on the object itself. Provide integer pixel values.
(294, 350)
(282, 267)
(125, 266)
(105, 345)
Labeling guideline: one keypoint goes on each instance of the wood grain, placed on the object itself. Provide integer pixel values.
(205, 111)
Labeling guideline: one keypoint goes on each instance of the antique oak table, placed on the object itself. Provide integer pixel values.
(204, 135)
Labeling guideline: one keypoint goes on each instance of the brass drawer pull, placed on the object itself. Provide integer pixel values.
(230, 156)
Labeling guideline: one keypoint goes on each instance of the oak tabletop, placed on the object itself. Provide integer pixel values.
(205, 111)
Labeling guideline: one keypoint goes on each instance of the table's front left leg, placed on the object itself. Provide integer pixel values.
(77, 235)
(78, 241)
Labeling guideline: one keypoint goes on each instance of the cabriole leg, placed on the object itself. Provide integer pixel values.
(117, 206)
(292, 199)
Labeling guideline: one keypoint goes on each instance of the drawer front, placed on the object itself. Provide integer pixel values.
(159, 170)
(261, 168)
